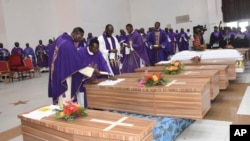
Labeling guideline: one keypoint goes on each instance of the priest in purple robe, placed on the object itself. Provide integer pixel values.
(4, 53)
(135, 51)
(92, 56)
(17, 50)
(157, 42)
(66, 67)
(172, 41)
(42, 56)
(29, 52)
(215, 38)
(110, 48)
(183, 40)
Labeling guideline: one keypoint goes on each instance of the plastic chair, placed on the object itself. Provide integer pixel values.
(28, 63)
(5, 71)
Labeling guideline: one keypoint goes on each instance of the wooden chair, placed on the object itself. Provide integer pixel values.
(28, 63)
(16, 65)
(5, 71)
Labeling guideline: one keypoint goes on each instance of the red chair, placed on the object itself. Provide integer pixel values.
(16, 65)
(5, 71)
(28, 63)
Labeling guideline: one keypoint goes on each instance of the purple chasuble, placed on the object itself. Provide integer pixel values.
(132, 60)
(64, 62)
(160, 53)
(17, 51)
(42, 56)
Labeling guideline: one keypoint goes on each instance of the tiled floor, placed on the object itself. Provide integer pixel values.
(21, 96)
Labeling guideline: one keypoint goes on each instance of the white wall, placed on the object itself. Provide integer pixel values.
(146, 12)
(31, 20)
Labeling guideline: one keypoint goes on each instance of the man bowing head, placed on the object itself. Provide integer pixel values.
(67, 70)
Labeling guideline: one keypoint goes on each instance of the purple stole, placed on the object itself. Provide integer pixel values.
(107, 42)
(115, 68)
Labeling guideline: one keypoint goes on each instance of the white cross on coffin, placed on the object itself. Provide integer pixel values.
(175, 82)
(189, 72)
(201, 67)
(112, 124)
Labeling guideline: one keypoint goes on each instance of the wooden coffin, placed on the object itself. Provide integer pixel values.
(212, 75)
(230, 62)
(223, 71)
(244, 52)
(183, 98)
(97, 126)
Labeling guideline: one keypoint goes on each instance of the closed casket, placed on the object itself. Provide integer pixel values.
(184, 98)
(213, 75)
(230, 62)
(97, 126)
(223, 71)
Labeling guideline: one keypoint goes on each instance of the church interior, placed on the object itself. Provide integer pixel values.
(210, 94)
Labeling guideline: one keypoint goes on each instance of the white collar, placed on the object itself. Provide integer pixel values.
(90, 53)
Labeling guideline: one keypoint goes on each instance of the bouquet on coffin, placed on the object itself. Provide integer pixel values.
(69, 111)
(154, 79)
(173, 68)
(196, 59)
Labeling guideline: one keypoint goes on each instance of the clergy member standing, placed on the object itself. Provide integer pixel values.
(110, 48)
(135, 51)
(66, 68)
(92, 56)
(42, 56)
(157, 42)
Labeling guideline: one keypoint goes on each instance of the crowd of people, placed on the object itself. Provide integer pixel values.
(73, 60)
(39, 56)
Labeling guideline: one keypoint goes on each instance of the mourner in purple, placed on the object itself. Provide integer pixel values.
(17, 50)
(66, 63)
(158, 45)
(110, 48)
(135, 51)
(4, 53)
(42, 56)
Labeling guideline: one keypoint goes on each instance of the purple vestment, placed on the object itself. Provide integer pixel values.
(42, 56)
(132, 60)
(183, 41)
(95, 61)
(4, 54)
(17, 51)
(29, 51)
(160, 53)
(64, 62)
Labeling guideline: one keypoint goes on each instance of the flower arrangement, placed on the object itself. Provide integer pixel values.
(199, 47)
(70, 111)
(196, 59)
(152, 80)
(173, 68)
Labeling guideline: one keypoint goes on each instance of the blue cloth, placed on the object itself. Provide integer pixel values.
(166, 129)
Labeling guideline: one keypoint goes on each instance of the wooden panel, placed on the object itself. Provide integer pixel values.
(213, 75)
(230, 62)
(223, 71)
(85, 128)
(127, 96)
